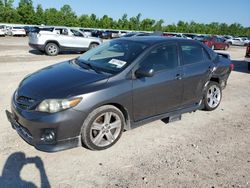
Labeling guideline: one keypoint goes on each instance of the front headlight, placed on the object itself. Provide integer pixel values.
(57, 105)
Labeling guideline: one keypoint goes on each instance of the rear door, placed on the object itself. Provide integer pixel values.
(197, 68)
(162, 92)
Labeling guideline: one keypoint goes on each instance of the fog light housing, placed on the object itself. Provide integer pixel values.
(48, 136)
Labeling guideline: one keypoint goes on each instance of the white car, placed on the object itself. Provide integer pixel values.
(16, 31)
(2, 32)
(62, 39)
(237, 41)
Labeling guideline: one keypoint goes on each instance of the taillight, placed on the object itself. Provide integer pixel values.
(248, 48)
(231, 67)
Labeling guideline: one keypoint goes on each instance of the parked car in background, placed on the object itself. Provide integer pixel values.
(62, 39)
(199, 38)
(247, 56)
(90, 100)
(190, 35)
(237, 41)
(168, 34)
(137, 34)
(215, 43)
(102, 34)
(180, 35)
(2, 30)
(16, 31)
(87, 32)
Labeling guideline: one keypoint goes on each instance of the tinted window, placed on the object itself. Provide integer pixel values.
(191, 53)
(162, 58)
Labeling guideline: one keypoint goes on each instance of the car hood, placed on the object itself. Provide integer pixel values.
(61, 80)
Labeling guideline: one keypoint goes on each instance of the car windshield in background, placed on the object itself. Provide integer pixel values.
(114, 56)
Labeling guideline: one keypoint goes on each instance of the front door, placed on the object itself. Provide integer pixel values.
(162, 92)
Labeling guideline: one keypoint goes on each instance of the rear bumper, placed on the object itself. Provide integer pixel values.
(37, 46)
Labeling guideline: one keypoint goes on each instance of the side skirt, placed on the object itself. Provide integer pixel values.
(167, 117)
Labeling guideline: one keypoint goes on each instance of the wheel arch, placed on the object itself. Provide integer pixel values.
(124, 112)
(215, 79)
(52, 41)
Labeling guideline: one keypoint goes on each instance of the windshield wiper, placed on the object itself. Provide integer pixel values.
(89, 65)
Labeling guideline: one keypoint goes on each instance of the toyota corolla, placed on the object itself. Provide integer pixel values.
(90, 100)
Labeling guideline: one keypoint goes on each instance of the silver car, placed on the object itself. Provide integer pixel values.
(59, 39)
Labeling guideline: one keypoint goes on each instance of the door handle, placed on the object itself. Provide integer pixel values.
(178, 77)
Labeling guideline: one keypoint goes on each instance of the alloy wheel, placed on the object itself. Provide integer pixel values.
(213, 96)
(105, 129)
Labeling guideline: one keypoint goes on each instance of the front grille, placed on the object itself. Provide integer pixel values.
(23, 131)
(24, 102)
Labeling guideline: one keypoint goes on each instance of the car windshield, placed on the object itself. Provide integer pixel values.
(114, 56)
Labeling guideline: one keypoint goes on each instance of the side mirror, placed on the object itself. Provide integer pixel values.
(144, 72)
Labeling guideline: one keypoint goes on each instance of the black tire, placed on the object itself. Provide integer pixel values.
(52, 49)
(87, 128)
(93, 45)
(209, 104)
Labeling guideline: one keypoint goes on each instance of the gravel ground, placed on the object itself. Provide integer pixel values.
(204, 149)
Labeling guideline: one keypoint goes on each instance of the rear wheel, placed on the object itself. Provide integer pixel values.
(212, 96)
(51, 49)
(102, 128)
(92, 45)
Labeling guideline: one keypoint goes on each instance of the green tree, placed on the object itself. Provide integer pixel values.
(39, 15)
(26, 11)
(68, 16)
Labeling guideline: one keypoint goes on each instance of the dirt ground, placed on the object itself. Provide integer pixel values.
(204, 149)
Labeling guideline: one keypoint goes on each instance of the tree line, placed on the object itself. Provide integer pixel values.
(26, 13)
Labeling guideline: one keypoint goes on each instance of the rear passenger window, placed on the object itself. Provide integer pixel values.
(162, 58)
(192, 53)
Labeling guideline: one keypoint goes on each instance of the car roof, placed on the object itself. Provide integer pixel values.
(151, 40)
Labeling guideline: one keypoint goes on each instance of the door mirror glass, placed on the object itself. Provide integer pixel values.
(144, 72)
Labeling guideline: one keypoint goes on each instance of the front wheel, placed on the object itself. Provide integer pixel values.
(102, 128)
(212, 96)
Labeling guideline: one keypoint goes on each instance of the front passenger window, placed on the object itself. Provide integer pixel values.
(162, 58)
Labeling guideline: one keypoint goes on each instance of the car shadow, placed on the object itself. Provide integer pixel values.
(241, 66)
(12, 171)
(37, 52)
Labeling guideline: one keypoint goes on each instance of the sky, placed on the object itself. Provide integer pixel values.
(171, 11)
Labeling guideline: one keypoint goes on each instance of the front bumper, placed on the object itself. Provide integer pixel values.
(31, 127)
